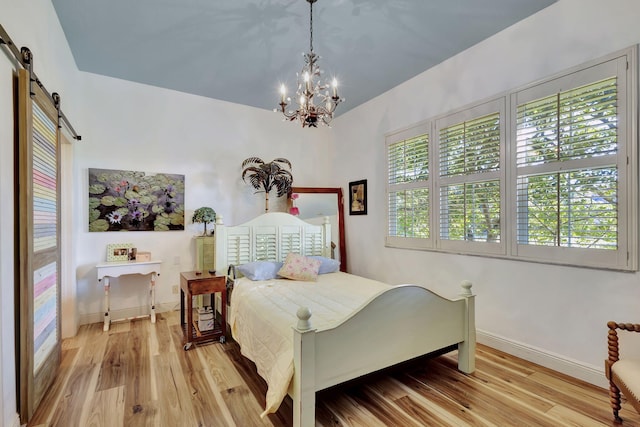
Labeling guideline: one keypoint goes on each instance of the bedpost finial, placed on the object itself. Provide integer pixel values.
(303, 314)
(466, 287)
(219, 219)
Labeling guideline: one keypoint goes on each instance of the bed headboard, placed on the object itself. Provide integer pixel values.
(269, 237)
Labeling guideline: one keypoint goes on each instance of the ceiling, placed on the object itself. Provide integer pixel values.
(242, 50)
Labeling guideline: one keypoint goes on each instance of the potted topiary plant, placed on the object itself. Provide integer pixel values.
(204, 215)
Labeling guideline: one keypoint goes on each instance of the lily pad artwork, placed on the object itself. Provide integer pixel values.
(134, 201)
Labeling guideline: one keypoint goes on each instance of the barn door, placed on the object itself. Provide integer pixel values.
(38, 221)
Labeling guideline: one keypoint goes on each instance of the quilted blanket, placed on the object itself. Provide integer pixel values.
(262, 314)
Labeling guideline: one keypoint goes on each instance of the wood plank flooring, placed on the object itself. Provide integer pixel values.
(137, 374)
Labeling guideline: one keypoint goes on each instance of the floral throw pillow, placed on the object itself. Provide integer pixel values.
(300, 267)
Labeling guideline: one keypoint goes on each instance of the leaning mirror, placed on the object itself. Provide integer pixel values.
(314, 204)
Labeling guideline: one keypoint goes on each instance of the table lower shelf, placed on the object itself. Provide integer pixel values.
(194, 335)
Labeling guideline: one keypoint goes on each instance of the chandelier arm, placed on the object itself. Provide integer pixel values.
(291, 115)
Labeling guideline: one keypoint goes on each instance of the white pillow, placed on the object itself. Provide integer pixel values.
(260, 270)
(327, 265)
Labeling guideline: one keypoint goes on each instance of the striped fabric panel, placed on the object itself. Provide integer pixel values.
(44, 218)
(45, 228)
(43, 351)
(44, 181)
(44, 312)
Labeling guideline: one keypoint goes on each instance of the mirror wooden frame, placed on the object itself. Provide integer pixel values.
(338, 192)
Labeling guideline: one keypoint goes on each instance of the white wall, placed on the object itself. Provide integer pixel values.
(550, 314)
(137, 127)
(35, 25)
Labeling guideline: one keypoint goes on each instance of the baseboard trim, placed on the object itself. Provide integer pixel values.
(573, 368)
(127, 313)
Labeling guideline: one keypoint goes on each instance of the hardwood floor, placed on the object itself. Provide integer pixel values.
(137, 374)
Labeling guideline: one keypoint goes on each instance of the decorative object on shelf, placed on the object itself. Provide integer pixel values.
(135, 201)
(267, 176)
(118, 251)
(143, 256)
(311, 87)
(204, 215)
(293, 210)
(205, 319)
(358, 197)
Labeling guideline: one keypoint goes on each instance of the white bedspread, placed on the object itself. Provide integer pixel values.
(263, 313)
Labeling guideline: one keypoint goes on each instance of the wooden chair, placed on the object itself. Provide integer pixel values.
(623, 374)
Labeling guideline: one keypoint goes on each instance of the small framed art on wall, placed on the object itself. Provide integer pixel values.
(358, 197)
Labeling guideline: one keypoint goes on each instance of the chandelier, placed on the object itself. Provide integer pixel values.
(311, 89)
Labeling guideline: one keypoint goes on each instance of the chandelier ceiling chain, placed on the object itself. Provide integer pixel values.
(311, 88)
(311, 24)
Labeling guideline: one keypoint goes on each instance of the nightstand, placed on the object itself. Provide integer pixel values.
(192, 284)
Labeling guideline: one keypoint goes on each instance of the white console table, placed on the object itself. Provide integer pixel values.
(107, 270)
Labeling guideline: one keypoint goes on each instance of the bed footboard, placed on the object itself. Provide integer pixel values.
(397, 325)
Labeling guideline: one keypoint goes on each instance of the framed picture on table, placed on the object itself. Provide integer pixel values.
(358, 197)
(119, 251)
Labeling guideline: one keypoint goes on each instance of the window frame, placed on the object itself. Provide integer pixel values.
(625, 257)
(393, 138)
(497, 105)
(622, 65)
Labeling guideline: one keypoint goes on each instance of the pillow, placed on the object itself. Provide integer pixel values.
(300, 267)
(260, 270)
(327, 265)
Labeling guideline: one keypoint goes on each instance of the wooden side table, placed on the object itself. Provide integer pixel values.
(192, 284)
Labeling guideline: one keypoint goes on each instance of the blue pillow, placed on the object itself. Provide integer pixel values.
(260, 270)
(327, 265)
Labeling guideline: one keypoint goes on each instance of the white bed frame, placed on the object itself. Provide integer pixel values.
(400, 324)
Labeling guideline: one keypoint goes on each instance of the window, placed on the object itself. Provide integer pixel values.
(544, 173)
(470, 175)
(408, 190)
(571, 184)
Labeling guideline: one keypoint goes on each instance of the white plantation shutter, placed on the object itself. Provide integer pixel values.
(576, 124)
(470, 147)
(572, 151)
(409, 160)
(576, 208)
(470, 211)
(470, 159)
(408, 192)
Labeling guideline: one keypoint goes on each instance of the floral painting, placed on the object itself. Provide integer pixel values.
(135, 201)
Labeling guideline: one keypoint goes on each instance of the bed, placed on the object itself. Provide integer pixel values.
(322, 351)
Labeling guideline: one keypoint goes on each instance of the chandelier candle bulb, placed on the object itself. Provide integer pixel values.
(334, 87)
(307, 82)
(283, 93)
